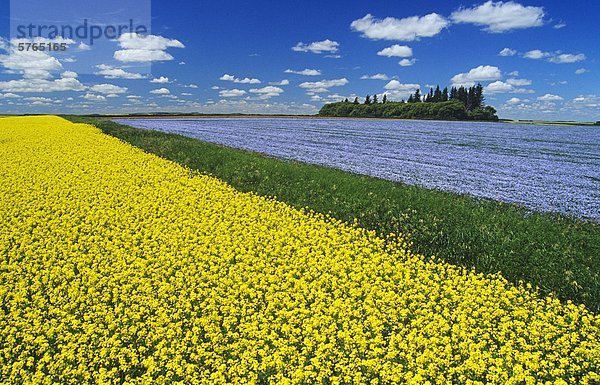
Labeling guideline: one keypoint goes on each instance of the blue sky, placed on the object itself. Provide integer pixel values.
(537, 59)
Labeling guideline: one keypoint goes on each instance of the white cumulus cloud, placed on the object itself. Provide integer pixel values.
(500, 16)
(396, 50)
(145, 48)
(231, 93)
(108, 89)
(477, 74)
(162, 80)
(267, 92)
(161, 91)
(567, 58)
(317, 46)
(375, 77)
(550, 98)
(536, 54)
(231, 78)
(500, 87)
(407, 62)
(507, 52)
(283, 82)
(407, 29)
(110, 72)
(518, 82)
(305, 72)
(42, 85)
(94, 97)
(398, 90)
(323, 85)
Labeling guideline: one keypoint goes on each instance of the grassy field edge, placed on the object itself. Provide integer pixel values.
(556, 253)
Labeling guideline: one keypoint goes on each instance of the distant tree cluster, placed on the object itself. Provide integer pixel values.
(455, 104)
(471, 97)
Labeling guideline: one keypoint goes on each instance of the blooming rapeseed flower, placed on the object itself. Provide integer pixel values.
(117, 266)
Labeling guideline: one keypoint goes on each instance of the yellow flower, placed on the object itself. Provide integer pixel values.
(117, 266)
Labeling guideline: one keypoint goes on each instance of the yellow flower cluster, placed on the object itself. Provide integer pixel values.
(118, 267)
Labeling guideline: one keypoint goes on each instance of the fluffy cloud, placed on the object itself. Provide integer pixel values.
(317, 46)
(9, 95)
(557, 57)
(267, 92)
(283, 82)
(507, 52)
(145, 48)
(231, 78)
(580, 71)
(513, 101)
(42, 85)
(396, 50)
(519, 82)
(323, 85)
(536, 54)
(590, 101)
(231, 93)
(550, 98)
(559, 25)
(162, 80)
(500, 87)
(140, 55)
(396, 85)
(108, 89)
(500, 16)
(69, 75)
(395, 89)
(31, 64)
(407, 29)
(110, 72)
(481, 73)
(567, 58)
(305, 72)
(94, 97)
(375, 77)
(161, 91)
(407, 62)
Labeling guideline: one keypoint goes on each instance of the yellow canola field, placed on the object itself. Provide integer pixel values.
(117, 266)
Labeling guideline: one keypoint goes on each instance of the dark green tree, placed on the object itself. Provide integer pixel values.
(453, 93)
(471, 100)
(437, 95)
(445, 94)
(356, 100)
(368, 99)
(417, 97)
(479, 100)
(375, 99)
(384, 99)
(346, 100)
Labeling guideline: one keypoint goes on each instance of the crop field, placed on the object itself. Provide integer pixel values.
(544, 168)
(117, 266)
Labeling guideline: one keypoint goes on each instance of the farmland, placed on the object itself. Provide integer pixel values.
(119, 266)
(558, 254)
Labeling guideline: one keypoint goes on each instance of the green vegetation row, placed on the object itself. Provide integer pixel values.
(457, 104)
(558, 254)
(451, 110)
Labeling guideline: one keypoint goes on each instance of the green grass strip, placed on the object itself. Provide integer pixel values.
(558, 254)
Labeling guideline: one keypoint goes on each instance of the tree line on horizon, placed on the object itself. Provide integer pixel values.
(456, 103)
